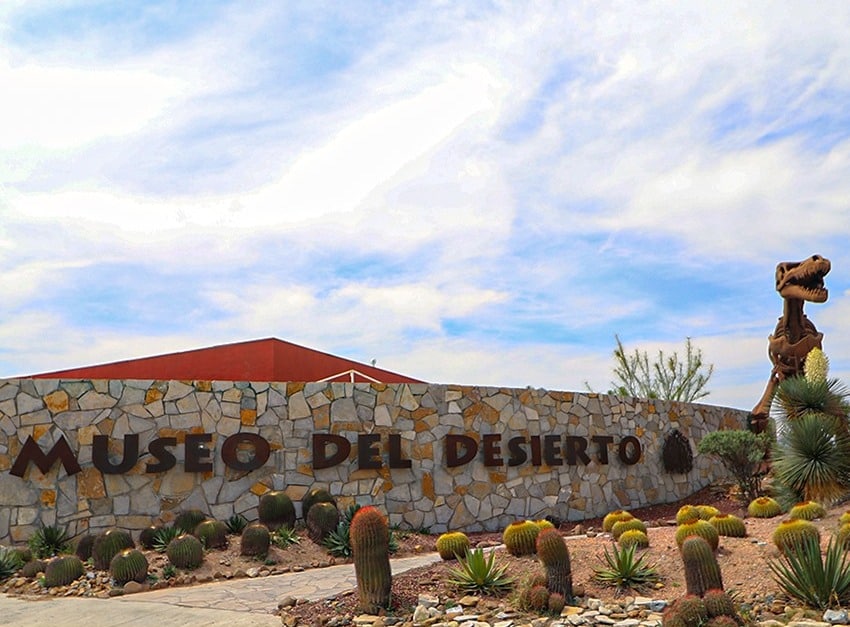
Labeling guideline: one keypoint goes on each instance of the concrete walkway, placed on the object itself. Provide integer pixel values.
(233, 603)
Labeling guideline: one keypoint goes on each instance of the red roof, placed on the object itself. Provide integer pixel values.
(255, 360)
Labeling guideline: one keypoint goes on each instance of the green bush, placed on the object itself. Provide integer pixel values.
(49, 540)
(741, 452)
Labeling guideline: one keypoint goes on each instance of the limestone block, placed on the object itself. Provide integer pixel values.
(95, 400)
(343, 410)
(16, 491)
(406, 399)
(41, 417)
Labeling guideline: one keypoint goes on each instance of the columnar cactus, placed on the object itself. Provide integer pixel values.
(255, 540)
(729, 525)
(322, 519)
(520, 538)
(212, 533)
(791, 532)
(62, 570)
(188, 519)
(107, 545)
(807, 510)
(129, 565)
(370, 536)
(553, 553)
(764, 507)
(276, 510)
(701, 569)
(452, 545)
(316, 495)
(690, 609)
(614, 517)
(633, 524)
(701, 528)
(185, 551)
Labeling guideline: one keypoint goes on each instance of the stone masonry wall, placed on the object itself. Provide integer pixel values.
(471, 496)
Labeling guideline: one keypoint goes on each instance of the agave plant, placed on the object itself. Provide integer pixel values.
(284, 537)
(49, 540)
(236, 524)
(163, 537)
(477, 573)
(798, 396)
(623, 570)
(10, 562)
(818, 581)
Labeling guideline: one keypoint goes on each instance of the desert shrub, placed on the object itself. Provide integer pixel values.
(10, 562)
(741, 452)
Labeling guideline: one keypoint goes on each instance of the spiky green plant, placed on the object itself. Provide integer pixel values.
(478, 573)
(164, 536)
(621, 569)
(185, 551)
(338, 541)
(701, 528)
(764, 507)
(147, 536)
(796, 397)
(614, 517)
(275, 509)
(791, 532)
(813, 458)
(633, 524)
(519, 537)
(321, 519)
(256, 539)
(129, 565)
(316, 495)
(212, 533)
(33, 568)
(818, 581)
(236, 524)
(452, 545)
(729, 525)
(283, 537)
(807, 510)
(687, 513)
(10, 562)
(633, 537)
(49, 540)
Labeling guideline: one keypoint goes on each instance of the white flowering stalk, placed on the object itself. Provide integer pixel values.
(816, 367)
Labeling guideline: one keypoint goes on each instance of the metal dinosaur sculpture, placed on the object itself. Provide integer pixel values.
(795, 335)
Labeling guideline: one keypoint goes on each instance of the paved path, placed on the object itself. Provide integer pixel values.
(232, 603)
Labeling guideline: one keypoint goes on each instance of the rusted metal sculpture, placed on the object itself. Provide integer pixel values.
(795, 335)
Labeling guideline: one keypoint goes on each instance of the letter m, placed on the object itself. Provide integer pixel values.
(31, 452)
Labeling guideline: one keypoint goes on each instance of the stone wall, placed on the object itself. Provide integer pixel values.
(407, 421)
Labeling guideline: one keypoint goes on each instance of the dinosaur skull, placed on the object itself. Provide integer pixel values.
(803, 280)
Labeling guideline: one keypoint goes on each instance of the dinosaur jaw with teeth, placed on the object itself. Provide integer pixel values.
(803, 280)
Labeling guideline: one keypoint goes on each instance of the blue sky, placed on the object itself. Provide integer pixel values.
(478, 192)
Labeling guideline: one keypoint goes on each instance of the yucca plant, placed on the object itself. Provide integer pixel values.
(798, 396)
(624, 571)
(813, 459)
(49, 540)
(477, 573)
(818, 581)
(163, 537)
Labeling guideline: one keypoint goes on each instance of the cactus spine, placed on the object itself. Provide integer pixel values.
(370, 537)
(520, 538)
(552, 551)
(185, 551)
(764, 507)
(276, 510)
(62, 570)
(129, 565)
(701, 528)
(701, 570)
(322, 519)
(255, 540)
(729, 525)
(107, 545)
(212, 533)
(614, 517)
(316, 495)
(452, 545)
(807, 510)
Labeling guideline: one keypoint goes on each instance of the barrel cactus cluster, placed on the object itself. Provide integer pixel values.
(212, 533)
(614, 517)
(698, 527)
(764, 507)
(807, 510)
(62, 570)
(107, 545)
(520, 537)
(729, 525)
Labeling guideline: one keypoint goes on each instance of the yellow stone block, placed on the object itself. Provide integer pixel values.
(90, 484)
(259, 488)
(296, 492)
(388, 485)
(57, 401)
(294, 388)
(639, 431)
(48, 498)
(152, 395)
(428, 486)
(248, 417)
(85, 435)
(203, 386)
(305, 469)
(5, 462)
(322, 417)
(39, 430)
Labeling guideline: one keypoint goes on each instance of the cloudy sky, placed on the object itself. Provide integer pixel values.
(467, 192)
